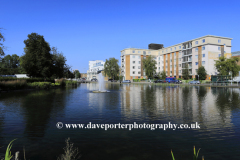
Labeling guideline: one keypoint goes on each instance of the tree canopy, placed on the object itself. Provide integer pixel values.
(162, 75)
(224, 66)
(149, 65)
(37, 60)
(111, 68)
(59, 63)
(77, 74)
(202, 73)
(185, 72)
(2, 39)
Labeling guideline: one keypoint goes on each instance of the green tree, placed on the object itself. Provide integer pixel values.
(10, 61)
(111, 68)
(77, 74)
(37, 61)
(59, 63)
(162, 75)
(185, 72)
(2, 39)
(224, 66)
(149, 65)
(202, 73)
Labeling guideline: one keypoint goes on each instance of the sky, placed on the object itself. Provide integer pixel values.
(86, 30)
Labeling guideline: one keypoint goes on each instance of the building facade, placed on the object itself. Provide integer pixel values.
(191, 54)
(94, 67)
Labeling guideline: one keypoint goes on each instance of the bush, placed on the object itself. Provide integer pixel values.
(61, 82)
(41, 85)
(13, 84)
(28, 80)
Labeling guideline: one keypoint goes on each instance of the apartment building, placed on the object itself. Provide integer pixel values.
(190, 54)
(94, 67)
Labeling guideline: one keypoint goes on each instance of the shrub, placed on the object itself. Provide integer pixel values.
(14, 84)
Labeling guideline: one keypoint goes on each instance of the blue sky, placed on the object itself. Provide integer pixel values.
(87, 30)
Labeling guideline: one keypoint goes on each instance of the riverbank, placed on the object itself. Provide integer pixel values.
(16, 85)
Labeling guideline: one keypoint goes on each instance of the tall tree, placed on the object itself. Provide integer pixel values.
(111, 68)
(37, 61)
(149, 65)
(1, 44)
(224, 66)
(185, 72)
(59, 63)
(202, 73)
(77, 74)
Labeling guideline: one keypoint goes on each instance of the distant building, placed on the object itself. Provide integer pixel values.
(236, 54)
(94, 67)
(83, 75)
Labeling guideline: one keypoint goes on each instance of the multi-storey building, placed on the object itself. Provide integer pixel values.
(191, 54)
(94, 67)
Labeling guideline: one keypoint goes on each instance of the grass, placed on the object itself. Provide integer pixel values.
(195, 155)
(8, 155)
(70, 153)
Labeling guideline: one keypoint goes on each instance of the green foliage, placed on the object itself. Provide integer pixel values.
(162, 75)
(1, 44)
(37, 61)
(185, 72)
(28, 80)
(138, 80)
(59, 63)
(202, 73)
(41, 85)
(12, 85)
(8, 155)
(224, 66)
(62, 82)
(77, 74)
(195, 155)
(149, 65)
(70, 153)
(111, 68)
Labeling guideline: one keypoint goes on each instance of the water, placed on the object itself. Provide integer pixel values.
(31, 117)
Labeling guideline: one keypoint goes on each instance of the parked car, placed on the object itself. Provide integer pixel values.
(158, 81)
(126, 81)
(110, 80)
(194, 82)
(178, 81)
(94, 79)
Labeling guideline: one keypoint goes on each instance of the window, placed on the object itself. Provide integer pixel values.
(139, 62)
(203, 55)
(174, 59)
(162, 51)
(179, 47)
(219, 41)
(166, 61)
(196, 49)
(171, 49)
(133, 62)
(219, 48)
(133, 51)
(158, 63)
(196, 42)
(203, 62)
(170, 71)
(179, 65)
(174, 65)
(159, 58)
(203, 48)
(139, 51)
(196, 70)
(203, 41)
(133, 67)
(139, 57)
(159, 68)
(166, 50)
(133, 72)
(170, 66)
(175, 48)
(196, 56)
(171, 60)
(180, 59)
(144, 52)
(196, 63)
(139, 67)
(175, 54)
(179, 71)
(133, 56)
(139, 72)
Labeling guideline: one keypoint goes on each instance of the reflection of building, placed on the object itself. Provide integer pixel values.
(94, 67)
(194, 53)
(178, 104)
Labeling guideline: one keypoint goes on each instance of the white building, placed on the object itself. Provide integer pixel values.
(94, 67)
